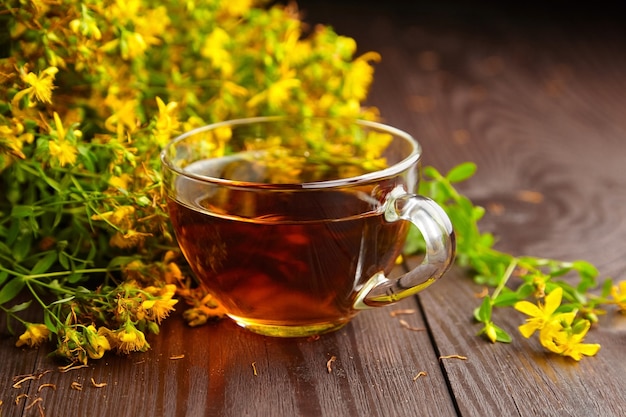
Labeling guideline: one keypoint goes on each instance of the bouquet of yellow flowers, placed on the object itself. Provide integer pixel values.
(90, 91)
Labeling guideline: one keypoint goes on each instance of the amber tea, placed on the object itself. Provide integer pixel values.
(294, 224)
(295, 260)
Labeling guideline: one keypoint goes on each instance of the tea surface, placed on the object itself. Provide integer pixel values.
(294, 259)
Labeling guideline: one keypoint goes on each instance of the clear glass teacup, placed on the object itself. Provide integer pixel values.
(294, 224)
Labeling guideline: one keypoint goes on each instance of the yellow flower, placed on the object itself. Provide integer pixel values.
(236, 7)
(34, 335)
(173, 273)
(86, 25)
(13, 138)
(63, 151)
(618, 292)
(120, 182)
(374, 147)
(277, 94)
(166, 122)
(60, 148)
(159, 308)
(561, 335)
(540, 314)
(41, 85)
(126, 339)
(121, 217)
(97, 343)
(214, 49)
(132, 45)
(124, 118)
(553, 326)
(359, 76)
(130, 239)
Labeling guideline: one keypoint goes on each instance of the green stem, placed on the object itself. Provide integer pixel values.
(505, 277)
(43, 305)
(64, 273)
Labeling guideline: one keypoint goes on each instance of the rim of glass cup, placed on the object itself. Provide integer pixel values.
(413, 157)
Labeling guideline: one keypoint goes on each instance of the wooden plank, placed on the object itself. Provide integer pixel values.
(15, 365)
(220, 369)
(540, 108)
(18, 368)
(521, 378)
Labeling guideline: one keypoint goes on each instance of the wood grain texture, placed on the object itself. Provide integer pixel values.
(539, 106)
(521, 379)
(537, 100)
(223, 370)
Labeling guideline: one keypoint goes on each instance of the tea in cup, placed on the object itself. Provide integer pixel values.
(294, 224)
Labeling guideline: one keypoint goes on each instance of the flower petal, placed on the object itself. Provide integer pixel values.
(528, 308)
(553, 301)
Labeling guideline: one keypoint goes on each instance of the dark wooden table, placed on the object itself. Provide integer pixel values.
(536, 96)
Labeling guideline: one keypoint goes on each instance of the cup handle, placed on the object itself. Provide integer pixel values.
(436, 229)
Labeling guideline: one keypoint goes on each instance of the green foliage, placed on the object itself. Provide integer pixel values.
(512, 279)
(90, 92)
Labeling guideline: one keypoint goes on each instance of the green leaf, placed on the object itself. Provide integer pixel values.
(461, 172)
(431, 172)
(525, 290)
(22, 211)
(144, 201)
(607, 285)
(501, 335)
(44, 263)
(20, 307)
(11, 289)
(62, 300)
(48, 322)
(22, 246)
(64, 260)
(588, 274)
(586, 269)
(75, 278)
(120, 261)
(506, 299)
(5, 249)
(483, 314)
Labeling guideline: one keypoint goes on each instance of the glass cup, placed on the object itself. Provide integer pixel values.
(294, 225)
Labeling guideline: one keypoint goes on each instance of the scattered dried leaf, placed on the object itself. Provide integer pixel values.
(42, 386)
(19, 398)
(497, 209)
(71, 367)
(77, 386)
(463, 358)
(528, 196)
(395, 313)
(20, 379)
(329, 364)
(406, 325)
(98, 384)
(419, 375)
(461, 136)
(31, 405)
(483, 293)
(254, 372)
